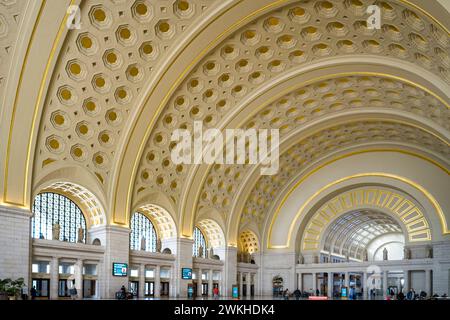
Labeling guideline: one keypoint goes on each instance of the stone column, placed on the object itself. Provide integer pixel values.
(314, 280)
(249, 283)
(241, 284)
(54, 278)
(300, 281)
(330, 284)
(399, 283)
(255, 284)
(210, 283)
(15, 243)
(385, 283)
(157, 287)
(79, 278)
(141, 281)
(116, 241)
(199, 283)
(258, 275)
(229, 257)
(406, 285)
(428, 282)
(347, 280)
(364, 286)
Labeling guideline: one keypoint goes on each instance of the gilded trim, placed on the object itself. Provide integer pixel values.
(433, 201)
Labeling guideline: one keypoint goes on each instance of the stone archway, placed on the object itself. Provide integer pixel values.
(395, 204)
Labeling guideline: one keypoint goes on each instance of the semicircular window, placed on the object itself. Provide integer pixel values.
(199, 241)
(143, 233)
(53, 211)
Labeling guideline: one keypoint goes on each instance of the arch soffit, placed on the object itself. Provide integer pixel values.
(78, 185)
(300, 221)
(408, 214)
(183, 228)
(249, 183)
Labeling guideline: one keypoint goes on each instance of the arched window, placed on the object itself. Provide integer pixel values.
(52, 208)
(199, 240)
(142, 227)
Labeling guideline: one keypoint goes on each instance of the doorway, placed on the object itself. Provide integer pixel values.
(42, 287)
(164, 289)
(204, 289)
(64, 287)
(89, 288)
(149, 289)
(134, 288)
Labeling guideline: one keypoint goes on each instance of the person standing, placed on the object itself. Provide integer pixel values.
(73, 292)
(286, 294)
(410, 294)
(33, 293)
(216, 292)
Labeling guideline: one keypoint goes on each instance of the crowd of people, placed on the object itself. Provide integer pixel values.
(353, 295)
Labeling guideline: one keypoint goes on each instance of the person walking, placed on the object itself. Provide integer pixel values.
(297, 294)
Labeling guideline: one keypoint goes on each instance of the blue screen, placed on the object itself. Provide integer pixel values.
(186, 273)
(120, 269)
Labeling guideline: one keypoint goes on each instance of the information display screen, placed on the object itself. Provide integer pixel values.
(235, 292)
(186, 273)
(120, 269)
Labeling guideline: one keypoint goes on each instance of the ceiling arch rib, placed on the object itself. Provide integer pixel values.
(263, 191)
(198, 86)
(317, 100)
(319, 145)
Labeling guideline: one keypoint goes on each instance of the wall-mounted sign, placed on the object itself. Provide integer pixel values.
(120, 269)
(235, 292)
(186, 273)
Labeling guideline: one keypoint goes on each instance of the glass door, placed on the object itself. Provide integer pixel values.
(204, 289)
(42, 287)
(149, 289)
(63, 288)
(164, 288)
(89, 288)
(134, 288)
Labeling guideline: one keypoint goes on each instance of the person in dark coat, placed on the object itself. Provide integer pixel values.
(33, 293)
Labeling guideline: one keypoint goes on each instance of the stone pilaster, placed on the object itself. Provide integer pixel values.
(182, 248)
(15, 243)
(230, 269)
(117, 249)
(441, 270)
